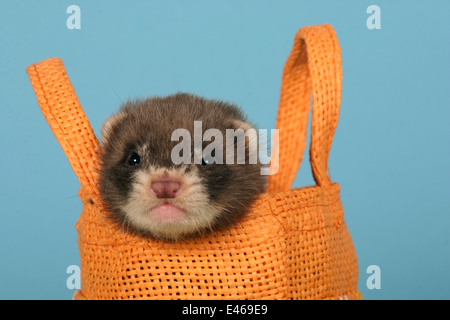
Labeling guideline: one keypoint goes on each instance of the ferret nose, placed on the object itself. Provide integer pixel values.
(166, 188)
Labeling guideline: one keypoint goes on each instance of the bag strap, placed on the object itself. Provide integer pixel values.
(314, 65)
(67, 120)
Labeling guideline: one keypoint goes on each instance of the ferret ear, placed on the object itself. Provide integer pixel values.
(249, 130)
(239, 124)
(251, 140)
(109, 125)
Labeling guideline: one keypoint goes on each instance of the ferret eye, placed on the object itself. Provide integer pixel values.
(207, 162)
(134, 160)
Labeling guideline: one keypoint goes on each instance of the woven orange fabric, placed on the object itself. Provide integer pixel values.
(294, 244)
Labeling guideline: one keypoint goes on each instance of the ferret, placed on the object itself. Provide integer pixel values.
(149, 194)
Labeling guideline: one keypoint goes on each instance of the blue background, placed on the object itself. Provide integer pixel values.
(390, 153)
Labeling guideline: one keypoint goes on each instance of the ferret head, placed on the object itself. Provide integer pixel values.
(150, 194)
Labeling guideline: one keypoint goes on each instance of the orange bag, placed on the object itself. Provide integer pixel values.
(294, 244)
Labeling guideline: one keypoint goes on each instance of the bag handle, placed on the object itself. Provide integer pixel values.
(314, 65)
(67, 120)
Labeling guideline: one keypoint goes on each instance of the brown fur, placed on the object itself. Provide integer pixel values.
(145, 126)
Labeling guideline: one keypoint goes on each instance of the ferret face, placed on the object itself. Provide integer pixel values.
(150, 195)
